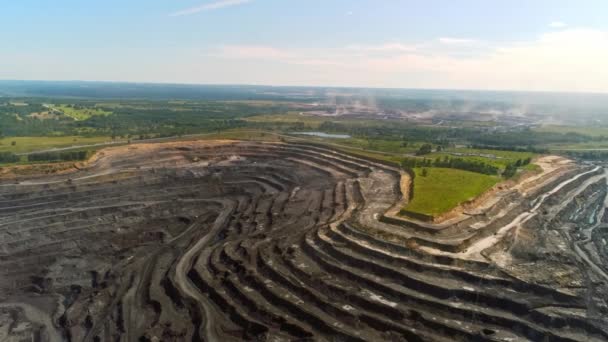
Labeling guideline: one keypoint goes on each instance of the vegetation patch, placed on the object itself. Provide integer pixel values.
(59, 156)
(438, 190)
(30, 144)
(80, 113)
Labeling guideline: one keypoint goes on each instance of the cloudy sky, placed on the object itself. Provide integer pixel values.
(552, 45)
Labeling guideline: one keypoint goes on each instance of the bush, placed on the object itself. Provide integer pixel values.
(58, 156)
(424, 149)
(8, 157)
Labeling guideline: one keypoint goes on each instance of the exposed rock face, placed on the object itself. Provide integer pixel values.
(237, 241)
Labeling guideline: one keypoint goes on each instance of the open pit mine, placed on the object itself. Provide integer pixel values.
(233, 241)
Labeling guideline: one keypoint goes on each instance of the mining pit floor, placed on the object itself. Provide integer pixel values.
(247, 241)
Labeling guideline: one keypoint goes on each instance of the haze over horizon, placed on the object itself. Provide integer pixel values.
(507, 45)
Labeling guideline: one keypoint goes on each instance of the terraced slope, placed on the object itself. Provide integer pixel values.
(225, 241)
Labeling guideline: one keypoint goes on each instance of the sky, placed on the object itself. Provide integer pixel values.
(537, 45)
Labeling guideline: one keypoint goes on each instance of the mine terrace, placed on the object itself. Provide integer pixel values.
(239, 240)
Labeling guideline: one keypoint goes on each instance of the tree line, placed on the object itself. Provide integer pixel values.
(8, 157)
(510, 148)
(466, 165)
(451, 163)
(63, 156)
(58, 156)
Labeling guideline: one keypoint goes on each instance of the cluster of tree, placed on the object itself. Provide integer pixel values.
(510, 148)
(511, 169)
(452, 163)
(58, 156)
(8, 157)
(424, 149)
(17, 120)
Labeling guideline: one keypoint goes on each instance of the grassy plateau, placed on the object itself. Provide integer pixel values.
(443, 189)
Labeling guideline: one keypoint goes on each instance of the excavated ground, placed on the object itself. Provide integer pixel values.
(231, 241)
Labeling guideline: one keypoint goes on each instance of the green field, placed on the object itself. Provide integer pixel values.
(80, 114)
(31, 144)
(443, 189)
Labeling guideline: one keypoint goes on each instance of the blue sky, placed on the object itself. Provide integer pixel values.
(472, 44)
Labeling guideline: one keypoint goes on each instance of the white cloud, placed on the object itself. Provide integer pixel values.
(565, 60)
(209, 7)
(557, 24)
(561, 60)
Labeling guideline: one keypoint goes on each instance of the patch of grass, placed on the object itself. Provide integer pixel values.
(443, 189)
(533, 168)
(32, 144)
(81, 113)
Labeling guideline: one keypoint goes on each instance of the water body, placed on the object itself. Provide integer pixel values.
(325, 135)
